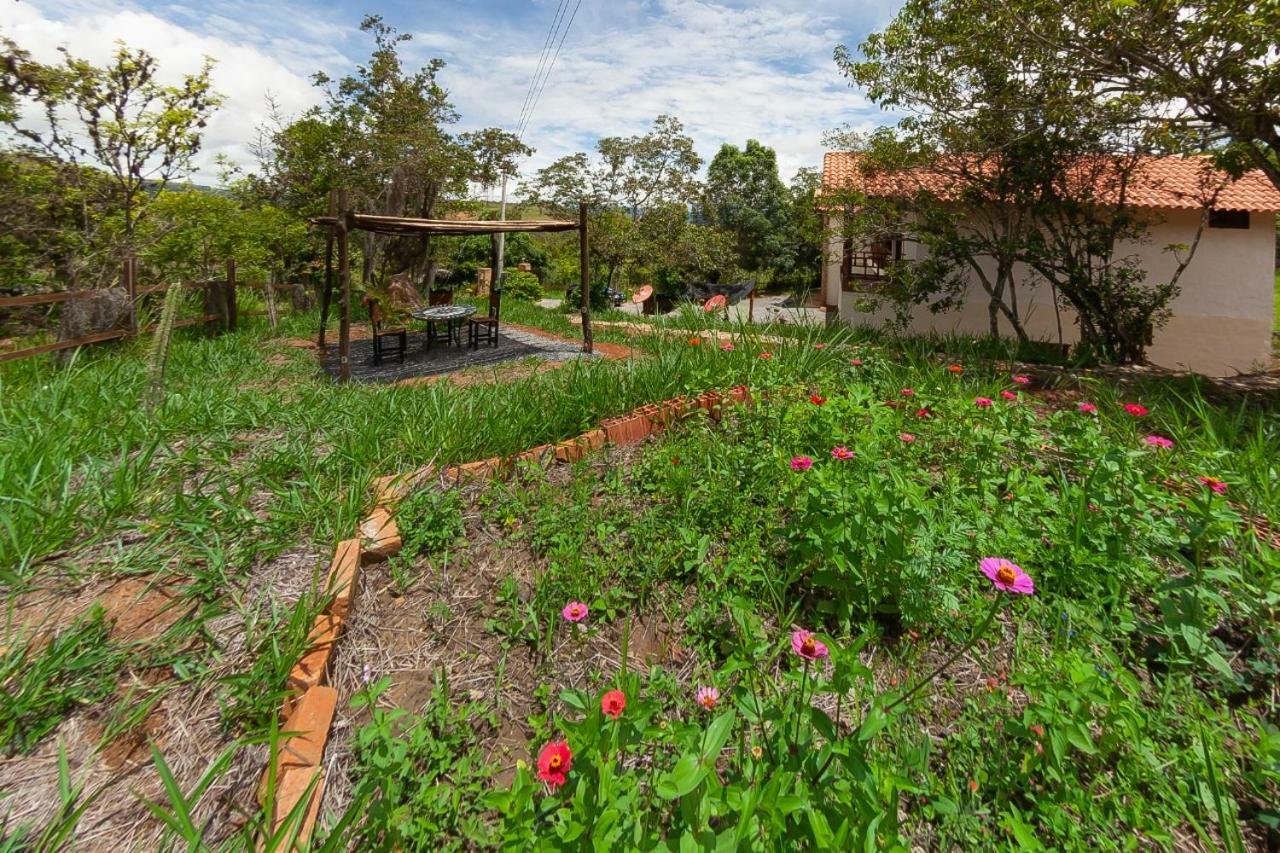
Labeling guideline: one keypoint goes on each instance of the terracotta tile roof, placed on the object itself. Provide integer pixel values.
(1159, 182)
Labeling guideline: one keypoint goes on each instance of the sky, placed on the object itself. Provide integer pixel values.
(730, 70)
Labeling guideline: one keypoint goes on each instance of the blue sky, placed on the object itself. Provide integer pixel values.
(729, 69)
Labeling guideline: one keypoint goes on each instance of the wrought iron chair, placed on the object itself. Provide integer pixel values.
(486, 328)
(381, 333)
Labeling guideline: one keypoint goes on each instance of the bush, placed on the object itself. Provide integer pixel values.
(521, 285)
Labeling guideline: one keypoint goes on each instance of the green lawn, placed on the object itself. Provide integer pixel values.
(1056, 718)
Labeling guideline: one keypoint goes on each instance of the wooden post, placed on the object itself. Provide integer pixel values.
(326, 295)
(751, 306)
(586, 276)
(231, 295)
(344, 277)
(128, 273)
(271, 300)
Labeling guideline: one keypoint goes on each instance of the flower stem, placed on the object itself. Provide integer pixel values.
(973, 638)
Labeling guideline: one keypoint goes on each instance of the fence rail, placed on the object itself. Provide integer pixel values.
(220, 294)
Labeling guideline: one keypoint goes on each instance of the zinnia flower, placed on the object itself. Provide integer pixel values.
(1021, 380)
(1007, 576)
(907, 437)
(982, 402)
(574, 611)
(1159, 441)
(727, 346)
(708, 697)
(554, 762)
(1087, 408)
(1135, 409)
(766, 355)
(612, 703)
(856, 362)
(1214, 484)
(1009, 395)
(757, 752)
(819, 346)
(695, 341)
(841, 453)
(955, 368)
(924, 412)
(801, 463)
(817, 399)
(908, 392)
(805, 644)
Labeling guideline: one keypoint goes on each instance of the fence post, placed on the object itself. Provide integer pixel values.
(128, 273)
(231, 295)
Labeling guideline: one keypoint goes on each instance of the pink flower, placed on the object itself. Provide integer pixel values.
(906, 437)
(613, 703)
(908, 392)
(1159, 441)
(1087, 408)
(819, 346)
(856, 362)
(554, 762)
(574, 611)
(1007, 576)
(766, 356)
(841, 453)
(805, 644)
(1214, 484)
(801, 463)
(708, 697)
(1135, 409)
(1009, 395)
(982, 402)
(1021, 380)
(727, 346)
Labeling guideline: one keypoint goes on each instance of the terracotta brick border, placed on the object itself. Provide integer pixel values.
(310, 706)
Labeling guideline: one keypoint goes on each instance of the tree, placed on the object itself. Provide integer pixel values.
(141, 132)
(1208, 64)
(746, 196)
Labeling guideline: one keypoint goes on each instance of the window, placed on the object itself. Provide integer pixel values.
(863, 268)
(1228, 219)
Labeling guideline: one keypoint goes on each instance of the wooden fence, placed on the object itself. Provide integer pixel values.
(221, 311)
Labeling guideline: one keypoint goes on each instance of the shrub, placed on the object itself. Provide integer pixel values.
(522, 285)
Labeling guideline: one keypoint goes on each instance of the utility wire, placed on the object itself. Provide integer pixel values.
(552, 32)
(545, 77)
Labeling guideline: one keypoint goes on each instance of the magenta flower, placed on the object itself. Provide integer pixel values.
(856, 362)
(805, 644)
(1087, 408)
(906, 437)
(1159, 441)
(727, 346)
(708, 697)
(908, 392)
(1214, 485)
(1136, 409)
(1021, 379)
(574, 611)
(982, 402)
(1009, 395)
(841, 453)
(801, 463)
(1007, 576)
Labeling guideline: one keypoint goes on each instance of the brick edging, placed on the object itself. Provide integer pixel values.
(309, 708)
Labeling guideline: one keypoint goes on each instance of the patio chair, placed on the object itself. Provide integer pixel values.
(486, 328)
(382, 333)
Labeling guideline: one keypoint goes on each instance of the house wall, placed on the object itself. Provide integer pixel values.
(1222, 319)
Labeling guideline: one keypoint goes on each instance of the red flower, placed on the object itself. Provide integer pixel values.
(695, 341)
(955, 368)
(817, 399)
(982, 402)
(819, 346)
(1135, 409)
(856, 362)
(907, 392)
(1009, 395)
(766, 355)
(924, 412)
(612, 703)
(554, 762)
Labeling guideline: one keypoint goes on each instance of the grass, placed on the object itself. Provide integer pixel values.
(1156, 612)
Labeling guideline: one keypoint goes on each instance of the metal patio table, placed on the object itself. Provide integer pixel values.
(451, 315)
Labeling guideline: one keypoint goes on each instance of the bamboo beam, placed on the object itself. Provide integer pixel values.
(402, 225)
(585, 271)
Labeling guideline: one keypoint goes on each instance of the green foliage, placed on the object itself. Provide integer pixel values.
(43, 682)
(430, 522)
(746, 196)
(522, 285)
(423, 774)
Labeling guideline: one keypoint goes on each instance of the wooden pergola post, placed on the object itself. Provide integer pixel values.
(344, 276)
(585, 271)
(326, 294)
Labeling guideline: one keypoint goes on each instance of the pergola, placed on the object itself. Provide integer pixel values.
(338, 225)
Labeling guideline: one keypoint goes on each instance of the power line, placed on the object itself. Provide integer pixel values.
(550, 67)
(552, 32)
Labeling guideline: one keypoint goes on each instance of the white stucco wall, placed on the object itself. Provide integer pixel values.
(1222, 318)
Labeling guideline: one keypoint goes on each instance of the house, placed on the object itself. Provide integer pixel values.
(1223, 318)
